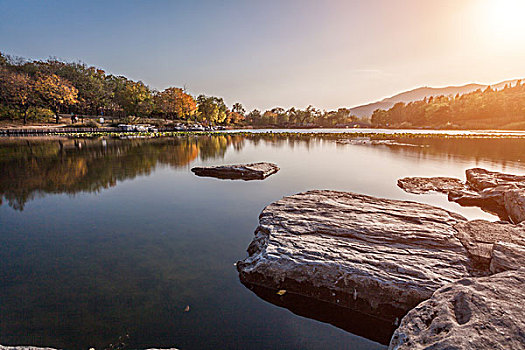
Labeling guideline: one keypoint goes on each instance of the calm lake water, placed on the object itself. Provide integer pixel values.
(100, 238)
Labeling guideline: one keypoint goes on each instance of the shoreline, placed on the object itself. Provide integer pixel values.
(64, 130)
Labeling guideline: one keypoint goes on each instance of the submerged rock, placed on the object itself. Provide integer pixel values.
(472, 313)
(374, 255)
(497, 193)
(352, 321)
(253, 171)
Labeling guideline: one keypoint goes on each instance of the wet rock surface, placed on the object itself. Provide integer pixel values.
(374, 255)
(471, 313)
(497, 193)
(253, 171)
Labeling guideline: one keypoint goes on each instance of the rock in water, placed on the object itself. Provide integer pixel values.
(377, 256)
(419, 185)
(472, 313)
(497, 193)
(253, 171)
(480, 179)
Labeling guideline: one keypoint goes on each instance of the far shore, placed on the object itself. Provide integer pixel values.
(7, 125)
(372, 135)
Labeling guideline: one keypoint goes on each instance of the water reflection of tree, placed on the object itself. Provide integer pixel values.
(32, 167)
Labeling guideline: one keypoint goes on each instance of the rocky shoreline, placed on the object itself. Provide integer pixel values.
(497, 193)
(400, 260)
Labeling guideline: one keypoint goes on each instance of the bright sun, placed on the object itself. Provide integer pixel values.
(505, 18)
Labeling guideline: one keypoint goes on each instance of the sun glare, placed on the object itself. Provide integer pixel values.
(504, 19)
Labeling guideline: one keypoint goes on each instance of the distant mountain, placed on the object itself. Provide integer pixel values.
(421, 93)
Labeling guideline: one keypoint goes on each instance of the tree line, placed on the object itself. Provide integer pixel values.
(33, 90)
(308, 117)
(480, 109)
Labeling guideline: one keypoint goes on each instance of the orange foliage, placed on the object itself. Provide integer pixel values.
(174, 102)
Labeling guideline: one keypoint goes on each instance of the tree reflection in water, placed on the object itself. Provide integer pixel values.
(32, 167)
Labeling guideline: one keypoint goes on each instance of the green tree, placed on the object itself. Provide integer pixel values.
(135, 98)
(211, 110)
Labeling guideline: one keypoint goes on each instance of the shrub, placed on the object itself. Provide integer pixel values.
(40, 114)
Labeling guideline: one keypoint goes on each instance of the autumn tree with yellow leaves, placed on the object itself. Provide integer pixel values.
(55, 92)
(16, 90)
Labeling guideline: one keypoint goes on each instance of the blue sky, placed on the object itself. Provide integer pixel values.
(277, 53)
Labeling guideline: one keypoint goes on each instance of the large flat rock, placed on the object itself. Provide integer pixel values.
(472, 313)
(374, 255)
(253, 171)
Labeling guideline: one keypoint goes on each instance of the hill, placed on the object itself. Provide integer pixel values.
(499, 107)
(420, 93)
